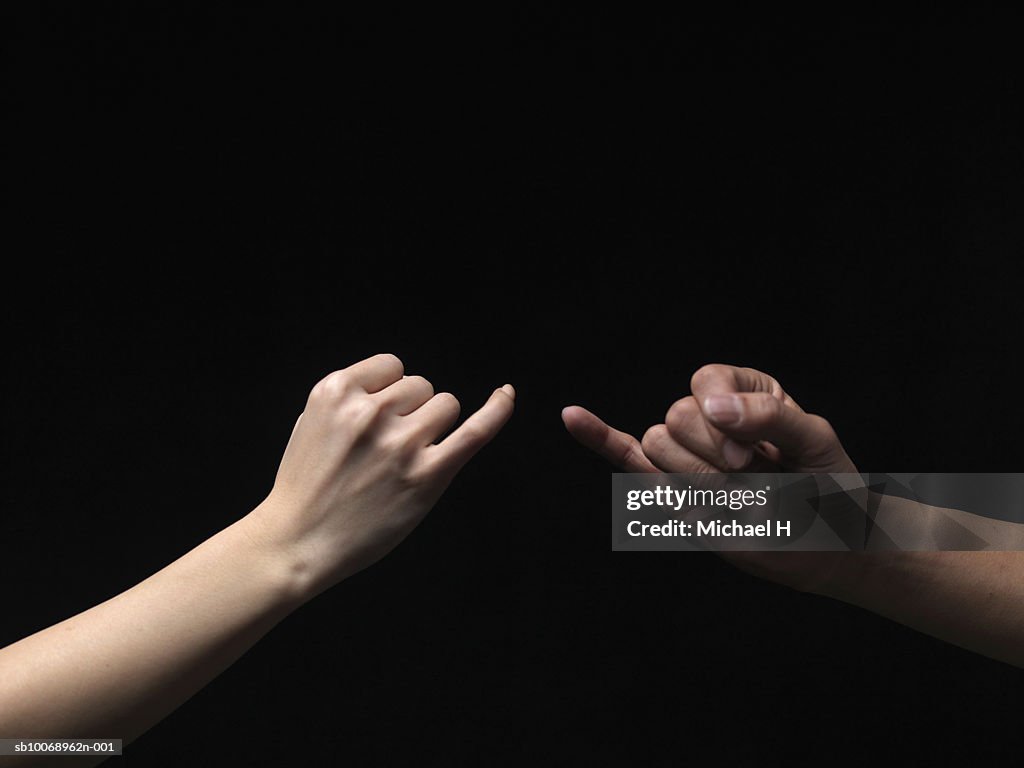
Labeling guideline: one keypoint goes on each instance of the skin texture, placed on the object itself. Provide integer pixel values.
(740, 419)
(360, 471)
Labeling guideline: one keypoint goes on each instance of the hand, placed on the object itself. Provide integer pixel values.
(361, 468)
(737, 419)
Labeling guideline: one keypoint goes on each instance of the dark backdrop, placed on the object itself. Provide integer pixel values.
(223, 205)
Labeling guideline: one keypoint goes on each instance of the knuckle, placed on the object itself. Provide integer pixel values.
(626, 457)
(822, 427)
(681, 415)
(331, 386)
(705, 374)
(762, 379)
(654, 439)
(761, 410)
(392, 360)
(423, 383)
(449, 401)
(316, 394)
(359, 412)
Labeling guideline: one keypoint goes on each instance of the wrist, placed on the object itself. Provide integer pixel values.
(279, 556)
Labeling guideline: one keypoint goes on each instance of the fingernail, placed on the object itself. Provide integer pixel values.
(724, 409)
(509, 390)
(736, 456)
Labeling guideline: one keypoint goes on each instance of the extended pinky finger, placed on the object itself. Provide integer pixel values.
(452, 453)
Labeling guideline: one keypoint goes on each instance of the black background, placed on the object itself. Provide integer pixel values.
(221, 206)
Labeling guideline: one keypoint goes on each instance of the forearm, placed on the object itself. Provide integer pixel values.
(972, 599)
(365, 463)
(118, 668)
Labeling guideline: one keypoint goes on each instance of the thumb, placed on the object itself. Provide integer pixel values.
(807, 441)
